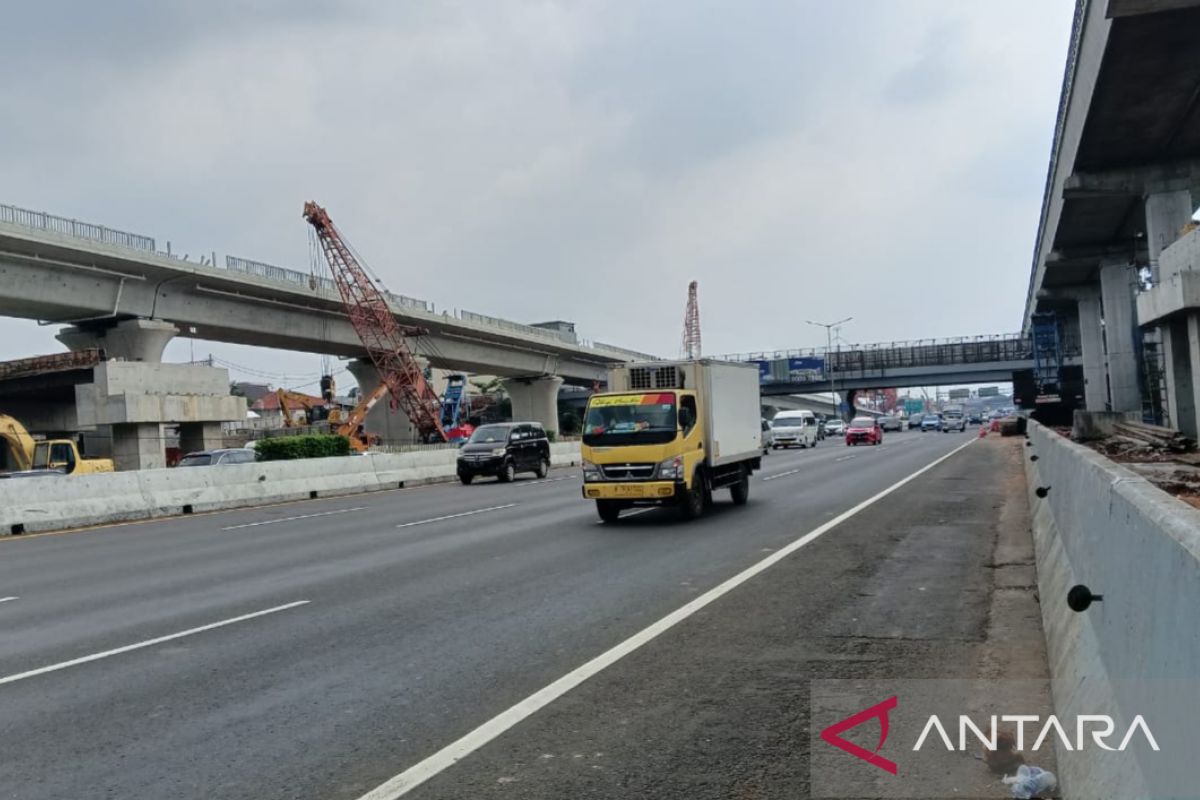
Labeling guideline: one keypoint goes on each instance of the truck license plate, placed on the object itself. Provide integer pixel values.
(628, 491)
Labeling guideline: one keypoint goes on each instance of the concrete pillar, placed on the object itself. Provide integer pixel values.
(535, 400)
(138, 446)
(197, 436)
(129, 340)
(1166, 214)
(1091, 339)
(392, 425)
(1117, 286)
(1181, 359)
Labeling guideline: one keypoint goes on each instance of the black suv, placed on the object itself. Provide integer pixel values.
(503, 450)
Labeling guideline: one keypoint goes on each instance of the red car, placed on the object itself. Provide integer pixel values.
(864, 430)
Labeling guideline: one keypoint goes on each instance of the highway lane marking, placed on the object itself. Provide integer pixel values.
(545, 480)
(6, 599)
(633, 513)
(454, 752)
(20, 676)
(781, 474)
(293, 519)
(456, 516)
(846, 458)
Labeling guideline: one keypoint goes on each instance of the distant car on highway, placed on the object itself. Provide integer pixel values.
(891, 423)
(768, 436)
(503, 450)
(213, 458)
(834, 427)
(974, 418)
(790, 428)
(914, 420)
(864, 430)
(954, 420)
(931, 422)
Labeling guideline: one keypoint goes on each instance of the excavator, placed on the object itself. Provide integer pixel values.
(349, 425)
(27, 454)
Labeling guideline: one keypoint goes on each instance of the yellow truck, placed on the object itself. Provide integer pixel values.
(670, 433)
(26, 454)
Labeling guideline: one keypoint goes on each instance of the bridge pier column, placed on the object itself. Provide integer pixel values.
(1166, 213)
(138, 445)
(1091, 336)
(1117, 284)
(1181, 359)
(129, 340)
(535, 400)
(197, 436)
(392, 425)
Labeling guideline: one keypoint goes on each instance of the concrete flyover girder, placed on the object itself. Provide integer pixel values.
(93, 285)
(1136, 181)
(907, 377)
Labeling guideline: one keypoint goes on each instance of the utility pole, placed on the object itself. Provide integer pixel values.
(829, 326)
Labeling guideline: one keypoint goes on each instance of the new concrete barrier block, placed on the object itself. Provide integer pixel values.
(28, 505)
(1138, 651)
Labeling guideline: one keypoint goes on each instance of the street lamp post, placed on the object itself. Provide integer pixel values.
(829, 326)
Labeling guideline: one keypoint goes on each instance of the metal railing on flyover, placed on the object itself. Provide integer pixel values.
(916, 353)
(40, 220)
(271, 272)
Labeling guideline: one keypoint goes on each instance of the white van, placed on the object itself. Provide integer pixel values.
(790, 428)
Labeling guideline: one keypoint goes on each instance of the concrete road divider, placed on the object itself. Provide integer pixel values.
(1100, 525)
(46, 504)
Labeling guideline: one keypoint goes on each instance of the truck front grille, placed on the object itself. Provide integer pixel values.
(627, 472)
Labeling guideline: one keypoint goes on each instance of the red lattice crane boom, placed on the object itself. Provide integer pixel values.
(691, 324)
(381, 334)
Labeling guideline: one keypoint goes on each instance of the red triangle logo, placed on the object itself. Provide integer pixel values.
(832, 734)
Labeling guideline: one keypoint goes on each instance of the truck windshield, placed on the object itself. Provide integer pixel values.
(630, 419)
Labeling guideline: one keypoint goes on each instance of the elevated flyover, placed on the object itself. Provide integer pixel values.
(94, 279)
(1120, 188)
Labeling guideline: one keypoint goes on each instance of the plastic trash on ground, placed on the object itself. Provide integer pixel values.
(1031, 782)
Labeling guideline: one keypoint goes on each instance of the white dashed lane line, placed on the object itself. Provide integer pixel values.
(20, 676)
(456, 516)
(293, 519)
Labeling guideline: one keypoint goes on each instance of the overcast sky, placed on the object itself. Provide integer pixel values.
(574, 160)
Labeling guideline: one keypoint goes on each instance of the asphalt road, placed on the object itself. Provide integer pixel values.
(394, 623)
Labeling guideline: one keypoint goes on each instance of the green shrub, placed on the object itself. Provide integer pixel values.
(289, 447)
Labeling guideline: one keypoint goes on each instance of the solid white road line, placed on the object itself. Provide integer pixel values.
(293, 519)
(422, 771)
(781, 475)
(456, 516)
(148, 643)
(6, 599)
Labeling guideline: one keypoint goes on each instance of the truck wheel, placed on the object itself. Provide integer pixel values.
(692, 506)
(466, 478)
(740, 491)
(507, 472)
(543, 468)
(609, 510)
(814, 442)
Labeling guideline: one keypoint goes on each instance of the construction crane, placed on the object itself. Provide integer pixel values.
(691, 324)
(381, 335)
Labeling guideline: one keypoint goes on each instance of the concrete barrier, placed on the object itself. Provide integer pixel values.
(1137, 651)
(28, 505)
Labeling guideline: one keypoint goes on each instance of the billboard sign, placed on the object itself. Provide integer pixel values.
(989, 391)
(790, 370)
(960, 394)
